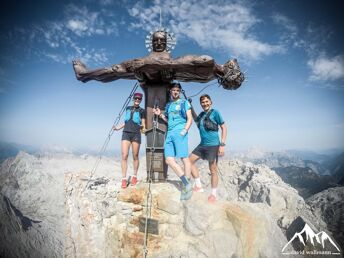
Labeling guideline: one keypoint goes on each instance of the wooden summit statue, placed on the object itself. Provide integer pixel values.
(155, 73)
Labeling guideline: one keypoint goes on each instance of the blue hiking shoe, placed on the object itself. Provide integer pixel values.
(186, 192)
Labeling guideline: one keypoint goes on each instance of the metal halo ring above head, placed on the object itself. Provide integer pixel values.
(170, 40)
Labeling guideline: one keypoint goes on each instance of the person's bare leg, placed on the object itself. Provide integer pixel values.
(214, 180)
(194, 170)
(136, 148)
(125, 145)
(214, 175)
(170, 161)
(187, 167)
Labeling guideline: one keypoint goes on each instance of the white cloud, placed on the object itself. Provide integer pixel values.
(59, 40)
(76, 26)
(226, 26)
(284, 21)
(327, 69)
(84, 22)
(289, 36)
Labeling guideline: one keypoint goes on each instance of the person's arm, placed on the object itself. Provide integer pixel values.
(188, 123)
(143, 125)
(119, 127)
(189, 120)
(223, 139)
(193, 113)
(157, 111)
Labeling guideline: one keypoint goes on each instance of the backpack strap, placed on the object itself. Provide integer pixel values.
(183, 109)
(167, 107)
(209, 113)
(132, 111)
(199, 118)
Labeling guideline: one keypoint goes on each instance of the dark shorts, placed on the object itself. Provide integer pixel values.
(209, 153)
(131, 137)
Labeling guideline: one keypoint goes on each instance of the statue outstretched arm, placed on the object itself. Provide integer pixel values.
(107, 74)
(155, 68)
(204, 69)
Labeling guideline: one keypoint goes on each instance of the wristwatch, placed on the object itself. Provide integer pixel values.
(222, 144)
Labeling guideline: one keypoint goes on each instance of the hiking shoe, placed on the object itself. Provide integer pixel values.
(197, 189)
(186, 192)
(133, 181)
(124, 183)
(212, 198)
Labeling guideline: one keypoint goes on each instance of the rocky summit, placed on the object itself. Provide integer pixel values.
(329, 205)
(51, 208)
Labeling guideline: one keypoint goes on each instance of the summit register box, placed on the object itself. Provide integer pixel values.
(156, 165)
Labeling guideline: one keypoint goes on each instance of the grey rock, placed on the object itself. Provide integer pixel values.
(63, 218)
(329, 205)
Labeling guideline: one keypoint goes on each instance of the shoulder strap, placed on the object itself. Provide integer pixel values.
(209, 113)
(200, 116)
(183, 109)
(132, 111)
(167, 108)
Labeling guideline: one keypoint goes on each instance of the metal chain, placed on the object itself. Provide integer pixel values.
(107, 140)
(149, 194)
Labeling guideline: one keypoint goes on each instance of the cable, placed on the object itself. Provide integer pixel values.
(149, 194)
(107, 140)
(211, 84)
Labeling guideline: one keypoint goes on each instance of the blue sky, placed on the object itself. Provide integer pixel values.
(292, 52)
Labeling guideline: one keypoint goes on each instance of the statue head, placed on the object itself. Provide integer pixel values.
(159, 41)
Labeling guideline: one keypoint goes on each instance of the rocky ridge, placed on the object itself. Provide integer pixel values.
(255, 209)
(329, 206)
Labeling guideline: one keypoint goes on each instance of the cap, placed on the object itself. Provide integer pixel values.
(138, 95)
(176, 85)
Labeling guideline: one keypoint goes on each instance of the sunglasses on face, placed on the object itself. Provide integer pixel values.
(137, 98)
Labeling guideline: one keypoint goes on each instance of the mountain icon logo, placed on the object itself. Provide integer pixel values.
(319, 240)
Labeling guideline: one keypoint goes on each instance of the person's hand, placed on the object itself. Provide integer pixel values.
(183, 132)
(116, 128)
(221, 150)
(157, 111)
(143, 130)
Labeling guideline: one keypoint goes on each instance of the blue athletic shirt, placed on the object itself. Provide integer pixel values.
(210, 138)
(175, 120)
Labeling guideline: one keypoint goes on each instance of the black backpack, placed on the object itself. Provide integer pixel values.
(208, 124)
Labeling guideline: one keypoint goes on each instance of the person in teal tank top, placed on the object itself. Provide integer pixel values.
(208, 121)
(133, 126)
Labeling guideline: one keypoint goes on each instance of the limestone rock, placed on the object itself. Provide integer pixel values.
(51, 208)
(259, 184)
(329, 205)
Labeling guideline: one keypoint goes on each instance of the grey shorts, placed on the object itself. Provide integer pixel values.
(132, 137)
(209, 153)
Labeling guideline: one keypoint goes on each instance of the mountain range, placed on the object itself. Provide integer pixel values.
(307, 171)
